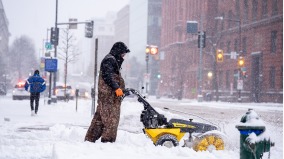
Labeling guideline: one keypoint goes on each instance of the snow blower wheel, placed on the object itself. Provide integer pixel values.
(208, 142)
(167, 140)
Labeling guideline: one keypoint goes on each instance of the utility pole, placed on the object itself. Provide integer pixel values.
(55, 52)
(200, 68)
(95, 77)
(240, 53)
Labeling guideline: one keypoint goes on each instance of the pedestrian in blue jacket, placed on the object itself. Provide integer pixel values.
(35, 85)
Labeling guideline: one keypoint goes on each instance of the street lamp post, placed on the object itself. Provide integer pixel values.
(240, 49)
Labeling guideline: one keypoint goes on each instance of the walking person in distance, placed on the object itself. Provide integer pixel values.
(35, 85)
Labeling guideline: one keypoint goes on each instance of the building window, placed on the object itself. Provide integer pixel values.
(221, 45)
(274, 7)
(228, 49)
(222, 23)
(272, 77)
(244, 46)
(238, 9)
(236, 45)
(230, 16)
(273, 41)
(220, 79)
(228, 79)
(264, 8)
(254, 9)
(246, 10)
(235, 79)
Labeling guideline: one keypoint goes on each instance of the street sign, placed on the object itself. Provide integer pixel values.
(73, 23)
(233, 55)
(47, 54)
(48, 46)
(50, 65)
(240, 85)
(192, 27)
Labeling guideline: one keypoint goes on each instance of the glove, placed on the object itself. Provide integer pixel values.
(118, 92)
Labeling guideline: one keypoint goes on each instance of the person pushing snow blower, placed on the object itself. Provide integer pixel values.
(105, 121)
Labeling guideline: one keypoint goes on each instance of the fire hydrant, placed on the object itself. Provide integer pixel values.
(254, 140)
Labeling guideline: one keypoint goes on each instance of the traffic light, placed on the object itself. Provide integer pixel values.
(158, 75)
(241, 61)
(54, 36)
(147, 49)
(152, 49)
(203, 36)
(89, 27)
(219, 55)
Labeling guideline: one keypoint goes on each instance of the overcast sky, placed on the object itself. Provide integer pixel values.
(33, 17)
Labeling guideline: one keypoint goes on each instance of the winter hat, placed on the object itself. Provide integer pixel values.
(36, 72)
(119, 48)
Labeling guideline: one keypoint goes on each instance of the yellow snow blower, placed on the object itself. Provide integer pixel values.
(202, 136)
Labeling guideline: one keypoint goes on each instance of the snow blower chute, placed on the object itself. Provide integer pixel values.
(169, 133)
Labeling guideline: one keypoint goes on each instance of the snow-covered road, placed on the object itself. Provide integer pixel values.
(58, 131)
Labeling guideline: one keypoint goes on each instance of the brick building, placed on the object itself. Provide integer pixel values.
(252, 29)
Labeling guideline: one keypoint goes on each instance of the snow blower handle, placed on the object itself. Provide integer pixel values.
(127, 92)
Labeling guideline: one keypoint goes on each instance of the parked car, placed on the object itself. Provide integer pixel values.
(83, 93)
(19, 92)
(60, 89)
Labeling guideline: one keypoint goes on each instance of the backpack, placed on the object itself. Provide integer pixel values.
(36, 86)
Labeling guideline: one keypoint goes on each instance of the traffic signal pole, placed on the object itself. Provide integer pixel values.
(147, 71)
(200, 68)
(240, 52)
(55, 50)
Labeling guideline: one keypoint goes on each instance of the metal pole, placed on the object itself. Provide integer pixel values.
(95, 76)
(50, 76)
(147, 71)
(76, 102)
(200, 97)
(55, 49)
(5, 84)
(240, 52)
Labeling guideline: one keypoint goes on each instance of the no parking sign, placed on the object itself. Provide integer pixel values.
(240, 85)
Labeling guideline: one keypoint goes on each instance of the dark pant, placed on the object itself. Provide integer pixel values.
(34, 97)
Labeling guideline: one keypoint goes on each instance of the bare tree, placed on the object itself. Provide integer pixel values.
(69, 53)
(22, 57)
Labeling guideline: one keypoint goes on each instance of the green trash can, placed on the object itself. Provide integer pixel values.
(253, 141)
